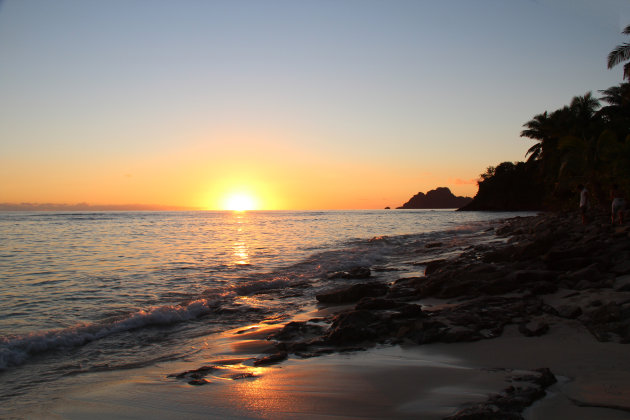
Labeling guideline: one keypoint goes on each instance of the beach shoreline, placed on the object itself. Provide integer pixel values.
(564, 310)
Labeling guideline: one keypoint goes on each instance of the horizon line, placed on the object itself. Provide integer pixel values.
(52, 207)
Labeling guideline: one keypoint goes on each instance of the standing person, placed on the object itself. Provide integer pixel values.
(618, 204)
(583, 203)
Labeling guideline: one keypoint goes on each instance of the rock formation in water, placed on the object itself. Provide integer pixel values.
(439, 198)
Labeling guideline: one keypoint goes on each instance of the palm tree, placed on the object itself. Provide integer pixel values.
(617, 112)
(536, 129)
(621, 53)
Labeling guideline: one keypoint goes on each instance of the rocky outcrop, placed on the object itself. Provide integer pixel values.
(353, 293)
(549, 269)
(490, 288)
(439, 198)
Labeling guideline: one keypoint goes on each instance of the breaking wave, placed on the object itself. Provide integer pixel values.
(17, 350)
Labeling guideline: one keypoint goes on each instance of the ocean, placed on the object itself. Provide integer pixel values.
(86, 292)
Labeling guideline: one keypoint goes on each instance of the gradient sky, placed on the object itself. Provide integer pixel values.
(330, 104)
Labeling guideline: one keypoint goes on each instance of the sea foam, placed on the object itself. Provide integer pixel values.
(16, 350)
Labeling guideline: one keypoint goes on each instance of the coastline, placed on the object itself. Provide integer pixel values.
(556, 294)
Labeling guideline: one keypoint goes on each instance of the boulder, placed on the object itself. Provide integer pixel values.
(352, 327)
(271, 359)
(353, 293)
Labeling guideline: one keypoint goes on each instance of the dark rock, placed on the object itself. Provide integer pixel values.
(502, 254)
(622, 267)
(433, 266)
(271, 359)
(198, 382)
(376, 303)
(533, 329)
(543, 288)
(440, 198)
(353, 293)
(589, 274)
(352, 327)
(569, 311)
(533, 276)
(610, 312)
(512, 401)
(410, 311)
(297, 330)
(194, 373)
(406, 288)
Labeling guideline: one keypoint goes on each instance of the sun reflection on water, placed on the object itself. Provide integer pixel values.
(240, 253)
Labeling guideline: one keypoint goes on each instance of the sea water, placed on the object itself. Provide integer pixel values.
(102, 291)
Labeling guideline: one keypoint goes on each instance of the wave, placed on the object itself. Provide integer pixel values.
(17, 350)
(261, 286)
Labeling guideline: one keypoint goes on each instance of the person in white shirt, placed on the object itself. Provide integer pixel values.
(583, 203)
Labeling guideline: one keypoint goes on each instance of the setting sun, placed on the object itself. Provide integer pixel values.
(240, 202)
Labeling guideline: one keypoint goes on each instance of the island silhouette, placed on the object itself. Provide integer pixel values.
(439, 198)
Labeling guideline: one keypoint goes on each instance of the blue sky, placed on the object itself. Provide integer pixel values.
(364, 99)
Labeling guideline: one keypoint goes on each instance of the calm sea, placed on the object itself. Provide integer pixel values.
(86, 292)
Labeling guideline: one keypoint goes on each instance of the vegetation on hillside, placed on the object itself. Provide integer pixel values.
(585, 142)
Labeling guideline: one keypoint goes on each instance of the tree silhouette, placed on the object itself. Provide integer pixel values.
(620, 54)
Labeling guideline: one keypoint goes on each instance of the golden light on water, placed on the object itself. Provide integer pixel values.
(241, 253)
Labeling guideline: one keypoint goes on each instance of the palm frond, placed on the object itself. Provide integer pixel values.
(535, 151)
(619, 54)
(626, 30)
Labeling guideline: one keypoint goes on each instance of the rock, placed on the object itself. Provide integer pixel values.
(533, 328)
(406, 288)
(589, 274)
(352, 327)
(410, 311)
(533, 276)
(622, 267)
(440, 198)
(501, 254)
(297, 330)
(353, 293)
(610, 312)
(271, 359)
(622, 283)
(198, 382)
(543, 288)
(376, 303)
(569, 311)
(194, 373)
(512, 401)
(433, 266)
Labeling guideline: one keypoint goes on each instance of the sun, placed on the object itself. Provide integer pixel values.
(240, 202)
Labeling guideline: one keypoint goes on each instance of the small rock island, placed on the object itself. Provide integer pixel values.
(439, 198)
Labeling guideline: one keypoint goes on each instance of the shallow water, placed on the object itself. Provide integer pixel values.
(89, 292)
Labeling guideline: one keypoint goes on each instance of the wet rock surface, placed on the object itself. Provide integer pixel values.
(526, 388)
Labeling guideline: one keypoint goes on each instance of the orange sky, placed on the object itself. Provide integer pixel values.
(300, 105)
(275, 172)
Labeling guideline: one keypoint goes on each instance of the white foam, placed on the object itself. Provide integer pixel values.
(17, 350)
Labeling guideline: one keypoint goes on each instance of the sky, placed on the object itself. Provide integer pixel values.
(328, 104)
